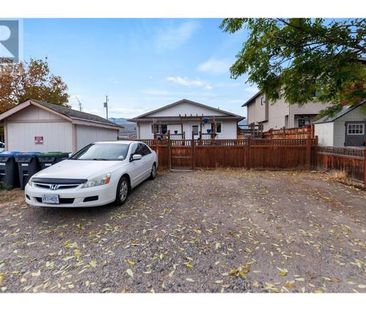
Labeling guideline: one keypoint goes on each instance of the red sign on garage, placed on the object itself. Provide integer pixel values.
(38, 140)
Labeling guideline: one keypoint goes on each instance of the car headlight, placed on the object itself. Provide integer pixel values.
(30, 181)
(99, 181)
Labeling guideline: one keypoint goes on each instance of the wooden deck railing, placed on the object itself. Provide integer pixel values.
(291, 133)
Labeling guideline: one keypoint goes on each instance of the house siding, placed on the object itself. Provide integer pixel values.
(88, 134)
(32, 121)
(182, 115)
(228, 129)
(325, 134)
(277, 115)
(278, 112)
(337, 128)
(186, 108)
(340, 125)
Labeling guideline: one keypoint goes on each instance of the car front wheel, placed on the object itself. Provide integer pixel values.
(122, 190)
(153, 172)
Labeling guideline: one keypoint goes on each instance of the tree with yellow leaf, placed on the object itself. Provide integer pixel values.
(30, 80)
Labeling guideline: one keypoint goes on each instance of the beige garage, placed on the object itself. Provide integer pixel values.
(41, 126)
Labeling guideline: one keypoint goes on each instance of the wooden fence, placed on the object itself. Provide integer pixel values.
(259, 154)
(246, 153)
(291, 133)
(352, 161)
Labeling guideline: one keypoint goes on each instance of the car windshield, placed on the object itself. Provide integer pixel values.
(102, 152)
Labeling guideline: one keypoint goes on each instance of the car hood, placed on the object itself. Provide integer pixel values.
(80, 169)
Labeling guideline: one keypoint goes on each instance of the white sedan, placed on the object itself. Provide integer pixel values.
(98, 174)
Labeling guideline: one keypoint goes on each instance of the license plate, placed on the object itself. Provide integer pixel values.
(50, 198)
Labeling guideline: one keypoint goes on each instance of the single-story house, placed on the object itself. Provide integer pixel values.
(40, 126)
(280, 114)
(185, 118)
(345, 128)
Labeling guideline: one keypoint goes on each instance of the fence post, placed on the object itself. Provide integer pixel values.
(192, 155)
(364, 166)
(156, 142)
(169, 152)
(316, 152)
(248, 153)
(308, 153)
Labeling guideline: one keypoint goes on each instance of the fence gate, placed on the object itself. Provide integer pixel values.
(181, 154)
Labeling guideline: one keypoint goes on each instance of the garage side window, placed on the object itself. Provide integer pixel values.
(356, 129)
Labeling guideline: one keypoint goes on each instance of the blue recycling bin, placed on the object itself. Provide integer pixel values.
(9, 177)
(27, 166)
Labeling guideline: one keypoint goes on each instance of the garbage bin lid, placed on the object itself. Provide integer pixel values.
(54, 153)
(9, 153)
(26, 154)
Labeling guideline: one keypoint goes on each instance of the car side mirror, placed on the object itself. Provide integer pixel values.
(136, 157)
(70, 155)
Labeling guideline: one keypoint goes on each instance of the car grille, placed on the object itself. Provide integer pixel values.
(55, 186)
(57, 183)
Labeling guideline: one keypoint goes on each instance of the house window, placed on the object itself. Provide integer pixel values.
(155, 128)
(218, 127)
(195, 129)
(303, 121)
(164, 129)
(262, 100)
(159, 128)
(356, 129)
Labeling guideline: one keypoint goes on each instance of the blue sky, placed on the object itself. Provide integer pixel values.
(141, 64)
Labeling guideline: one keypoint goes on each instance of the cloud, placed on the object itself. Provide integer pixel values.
(215, 66)
(170, 38)
(189, 82)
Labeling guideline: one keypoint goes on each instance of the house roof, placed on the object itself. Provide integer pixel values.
(65, 112)
(250, 100)
(339, 114)
(229, 114)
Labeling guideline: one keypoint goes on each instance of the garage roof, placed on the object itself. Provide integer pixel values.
(341, 113)
(70, 114)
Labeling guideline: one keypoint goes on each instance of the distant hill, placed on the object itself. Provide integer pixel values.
(129, 130)
(243, 122)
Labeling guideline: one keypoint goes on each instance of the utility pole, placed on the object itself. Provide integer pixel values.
(106, 107)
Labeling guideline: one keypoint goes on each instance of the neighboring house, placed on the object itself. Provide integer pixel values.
(345, 128)
(40, 126)
(280, 114)
(184, 117)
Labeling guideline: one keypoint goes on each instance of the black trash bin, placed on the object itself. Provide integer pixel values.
(27, 166)
(9, 177)
(47, 159)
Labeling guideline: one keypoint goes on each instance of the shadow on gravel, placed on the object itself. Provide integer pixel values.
(56, 214)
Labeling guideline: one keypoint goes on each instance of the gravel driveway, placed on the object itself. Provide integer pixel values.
(202, 231)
